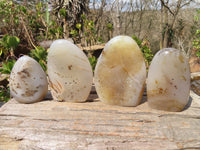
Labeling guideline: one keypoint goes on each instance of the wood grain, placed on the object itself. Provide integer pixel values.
(52, 125)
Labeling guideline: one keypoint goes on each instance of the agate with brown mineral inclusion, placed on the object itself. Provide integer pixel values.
(69, 71)
(168, 83)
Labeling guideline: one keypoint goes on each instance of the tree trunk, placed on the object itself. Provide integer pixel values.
(117, 20)
(166, 28)
(65, 29)
(161, 27)
(141, 22)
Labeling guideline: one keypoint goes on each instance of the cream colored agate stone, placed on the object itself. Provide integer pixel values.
(168, 83)
(120, 72)
(69, 71)
(28, 81)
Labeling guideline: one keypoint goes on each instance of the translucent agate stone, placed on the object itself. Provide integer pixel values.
(69, 71)
(120, 72)
(28, 81)
(168, 83)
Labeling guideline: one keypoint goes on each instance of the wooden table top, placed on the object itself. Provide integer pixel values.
(52, 125)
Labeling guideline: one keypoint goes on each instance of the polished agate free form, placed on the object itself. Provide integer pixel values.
(168, 83)
(69, 71)
(28, 81)
(120, 72)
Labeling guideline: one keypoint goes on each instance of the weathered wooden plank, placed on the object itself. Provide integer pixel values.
(92, 47)
(94, 125)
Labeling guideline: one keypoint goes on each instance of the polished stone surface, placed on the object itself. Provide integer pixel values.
(69, 71)
(168, 82)
(120, 72)
(28, 81)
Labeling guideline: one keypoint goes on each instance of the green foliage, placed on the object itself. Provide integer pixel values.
(110, 26)
(74, 33)
(62, 12)
(83, 17)
(43, 22)
(145, 48)
(85, 30)
(99, 39)
(7, 45)
(147, 54)
(11, 14)
(35, 17)
(9, 41)
(4, 93)
(4, 89)
(78, 26)
(40, 55)
(93, 62)
(196, 41)
(7, 66)
(138, 41)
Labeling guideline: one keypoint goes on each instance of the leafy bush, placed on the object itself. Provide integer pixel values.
(145, 48)
(93, 62)
(7, 66)
(14, 17)
(40, 55)
(7, 46)
(85, 31)
(4, 88)
(4, 93)
(196, 41)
